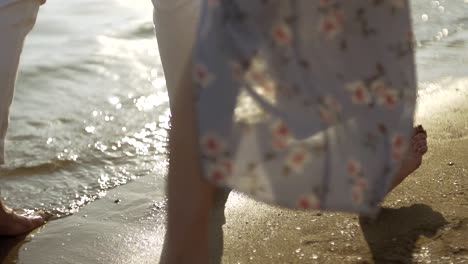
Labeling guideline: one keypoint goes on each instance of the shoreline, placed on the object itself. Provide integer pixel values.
(424, 220)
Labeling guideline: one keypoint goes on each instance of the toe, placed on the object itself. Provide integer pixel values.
(23, 224)
(419, 129)
(422, 150)
(416, 145)
(420, 143)
(419, 136)
(37, 221)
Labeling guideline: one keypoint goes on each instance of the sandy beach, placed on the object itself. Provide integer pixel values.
(425, 220)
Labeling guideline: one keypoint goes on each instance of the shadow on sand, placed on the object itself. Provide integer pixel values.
(392, 236)
(9, 247)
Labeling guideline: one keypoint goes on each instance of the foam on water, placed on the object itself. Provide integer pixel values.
(435, 96)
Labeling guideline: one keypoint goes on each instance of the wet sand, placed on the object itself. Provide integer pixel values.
(123, 227)
(425, 220)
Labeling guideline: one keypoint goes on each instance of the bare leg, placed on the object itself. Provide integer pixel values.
(190, 198)
(175, 23)
(414, 157)
(16, 20)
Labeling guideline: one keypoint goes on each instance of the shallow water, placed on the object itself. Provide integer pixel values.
(91, 110)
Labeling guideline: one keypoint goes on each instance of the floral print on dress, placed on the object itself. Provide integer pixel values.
(297, 159)
(357, 194)
(353, 168)
(305, 104)
(212, 145)
(330, 110)
(309, 201)
(386, 95)
(359, 92)
(217, 174)
(331, 24)
(281, 136)
(282, 34)
(398, 147)
(202, 76)
(358, 182)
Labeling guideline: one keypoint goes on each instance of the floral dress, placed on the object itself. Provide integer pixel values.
(305, 103)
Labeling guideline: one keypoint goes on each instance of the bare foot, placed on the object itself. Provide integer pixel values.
(12, 224)
(414, 156)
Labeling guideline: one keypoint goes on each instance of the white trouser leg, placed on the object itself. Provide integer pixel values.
(176, 22)
(16, 20)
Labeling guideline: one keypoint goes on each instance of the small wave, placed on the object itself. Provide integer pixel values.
(451, 38)
(458, 43)
(64, 70)
(442, 107)
(142, 30)
(27, 170)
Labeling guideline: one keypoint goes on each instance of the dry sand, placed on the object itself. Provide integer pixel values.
(425, 220)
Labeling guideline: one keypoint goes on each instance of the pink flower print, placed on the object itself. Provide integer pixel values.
(282, 34)
(297, 159)
(281, 135)
(281, 131)
(217, 174)
(385, 95)
(359, 92)
(357, 194)
(227, 165)
(353, 167)
(362, 183)
(331, 24)
(212, 145)
(279, 144)
(339, 16)
(202, 75)
(329, 110)
(378, 87)
(398, 141)
(309, 201)
(398, 147)
(390, 98)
